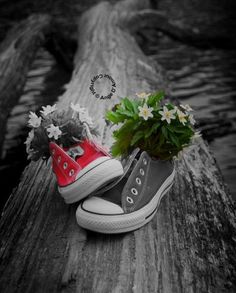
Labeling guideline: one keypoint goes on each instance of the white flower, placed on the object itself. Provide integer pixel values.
(179, 156)
(182, 117)
(196, 135)
(34, 120)
(84, 117)
(29, 140)
(143, 95)
(145, 112)
(30, 154)
(77, 108)
(167, 114)
(186, 108)
(176, 108)
(53, 131)
(48, 109)
(191, 119)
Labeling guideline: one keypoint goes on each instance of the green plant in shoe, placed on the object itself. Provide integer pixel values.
(161, 129)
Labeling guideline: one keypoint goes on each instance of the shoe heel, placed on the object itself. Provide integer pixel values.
(96, 175)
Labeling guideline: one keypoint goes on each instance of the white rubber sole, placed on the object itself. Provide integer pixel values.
(98, 173)
(120, 223)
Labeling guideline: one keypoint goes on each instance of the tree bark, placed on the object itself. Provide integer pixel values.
(17, 52)
(189, 246)
(149, 18)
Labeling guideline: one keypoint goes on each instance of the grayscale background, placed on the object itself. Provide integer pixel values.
(201, 74)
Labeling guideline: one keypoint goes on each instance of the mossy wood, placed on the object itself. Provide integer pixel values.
(189, 246)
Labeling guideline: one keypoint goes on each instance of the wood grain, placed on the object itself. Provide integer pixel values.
(187, 247)
(17, 52)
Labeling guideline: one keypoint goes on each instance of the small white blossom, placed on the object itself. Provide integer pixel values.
(196, 135)
(29, 140)
(77, 108)
(30, 154)
(145, 112)
(48, 109)
(143, 95)
(53, 131)
(34, 120)
(176, 108)
(84, 117)
(182, 117)
(179, 156)
(167, 114)
(186, 108)
(191, 119)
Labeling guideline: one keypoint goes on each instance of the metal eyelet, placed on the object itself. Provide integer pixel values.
(134, 191)
(72, 172)
(59, 159)
(129, 199)
(144, 161)
(141, 172)
(138, 181)
(65, 165)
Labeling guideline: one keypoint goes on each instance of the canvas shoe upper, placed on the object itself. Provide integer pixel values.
(82, 169)
(132, 200)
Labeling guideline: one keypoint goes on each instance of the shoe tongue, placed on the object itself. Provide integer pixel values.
(130, 169)
(113, 191)
(126, 163)
(75, 152)
(114, 194)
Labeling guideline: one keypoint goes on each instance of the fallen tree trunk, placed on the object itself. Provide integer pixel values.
(187, 247)
(147, 18)
(17, 52)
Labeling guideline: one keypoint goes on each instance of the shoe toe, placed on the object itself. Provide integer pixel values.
(98, 205)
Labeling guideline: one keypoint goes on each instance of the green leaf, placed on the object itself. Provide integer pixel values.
(121, 146)
(138, 135)
(160, 142)
(135, 104)
(174, 139)
(170, 128)
(152, 129)
(115, 150)
(179, 129)
(125, 130)
(155, 98)
(129, 105)
(114, 117)
(137, 124)
(125, 113)
(165, 132)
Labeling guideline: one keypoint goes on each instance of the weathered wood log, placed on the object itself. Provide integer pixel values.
(208, 18)
(17, 52)
(191, 35)
(187, 247)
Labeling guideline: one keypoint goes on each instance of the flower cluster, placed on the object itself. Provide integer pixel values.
(162, 130)
(65, 127)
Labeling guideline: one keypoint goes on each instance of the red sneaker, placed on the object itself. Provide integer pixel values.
(82, 169)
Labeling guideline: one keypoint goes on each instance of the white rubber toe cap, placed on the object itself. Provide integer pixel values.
(101, 206)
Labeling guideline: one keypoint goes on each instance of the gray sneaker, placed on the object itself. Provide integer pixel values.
(131, 201)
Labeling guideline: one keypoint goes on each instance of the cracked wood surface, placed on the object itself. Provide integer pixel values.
(17, 52)
(187, 247)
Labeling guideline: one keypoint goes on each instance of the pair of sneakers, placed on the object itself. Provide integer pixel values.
(116, 196)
